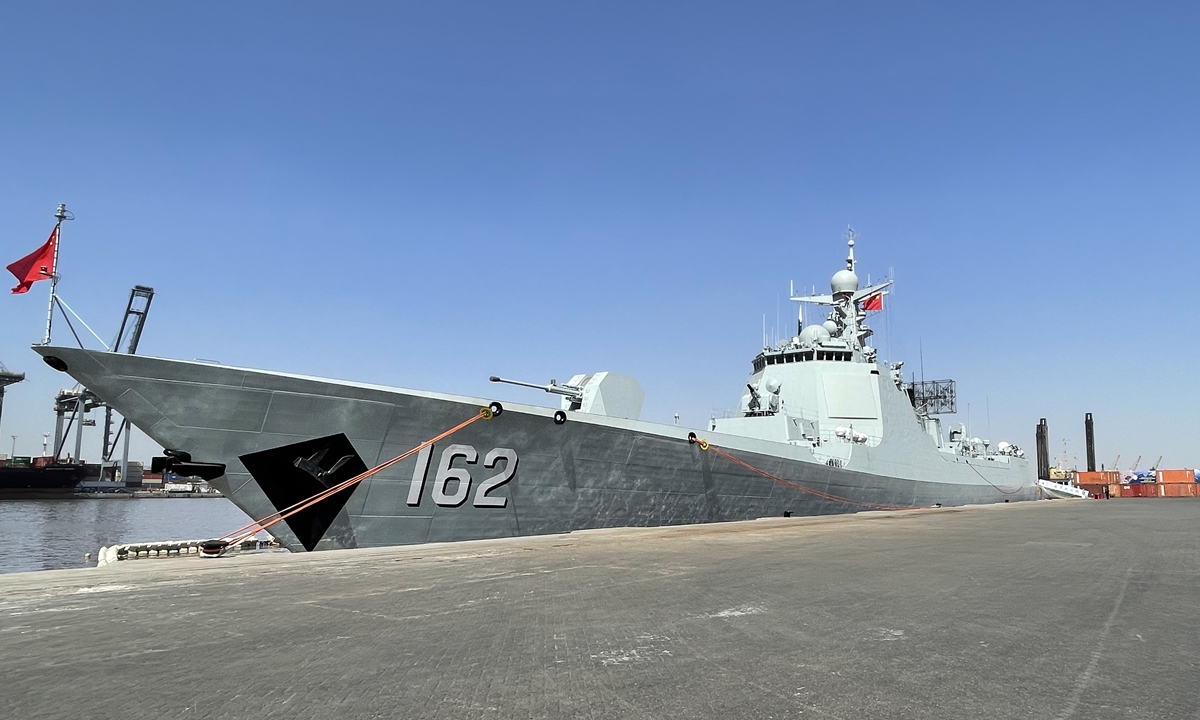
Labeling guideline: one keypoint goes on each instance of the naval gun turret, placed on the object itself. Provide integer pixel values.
(602, 393)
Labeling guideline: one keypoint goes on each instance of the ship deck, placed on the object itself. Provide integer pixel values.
(1049, 609)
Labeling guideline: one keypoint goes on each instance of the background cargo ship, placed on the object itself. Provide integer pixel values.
(34, 478)
(38, 478)
(823, 428)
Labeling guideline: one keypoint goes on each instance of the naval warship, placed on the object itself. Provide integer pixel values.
(823, 427)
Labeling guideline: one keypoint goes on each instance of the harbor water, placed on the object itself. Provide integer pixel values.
(57, 534)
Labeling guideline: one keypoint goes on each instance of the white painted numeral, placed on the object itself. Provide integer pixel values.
(445, 474)
(462, 477)
(509, 456)
(417, 486)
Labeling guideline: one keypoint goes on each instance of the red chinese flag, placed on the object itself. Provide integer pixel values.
(875, 302)
(37, 265)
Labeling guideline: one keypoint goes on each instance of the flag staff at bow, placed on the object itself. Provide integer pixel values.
(61, 214)
(42, 264)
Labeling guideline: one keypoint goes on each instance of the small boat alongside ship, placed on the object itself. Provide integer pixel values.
(823, 427)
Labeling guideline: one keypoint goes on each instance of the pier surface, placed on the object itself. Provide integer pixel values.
(1054, 609)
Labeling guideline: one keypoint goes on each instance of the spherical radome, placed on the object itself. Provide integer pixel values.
(813, 334)
(844, 281)
(830, 327)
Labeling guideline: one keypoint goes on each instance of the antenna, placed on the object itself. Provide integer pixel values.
(850, 235)
(887, 315)
(921, 347)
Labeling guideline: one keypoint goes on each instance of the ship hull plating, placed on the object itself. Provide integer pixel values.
(519, 473)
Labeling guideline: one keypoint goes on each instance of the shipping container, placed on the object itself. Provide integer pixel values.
(1114, 490)
(1176, 476)
(1179, 490)
(1096, 491)
(1139, 490)
(1097, 478)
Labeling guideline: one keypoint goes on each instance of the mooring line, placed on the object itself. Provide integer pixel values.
(994, 485)
(217, 546)
(709, 447)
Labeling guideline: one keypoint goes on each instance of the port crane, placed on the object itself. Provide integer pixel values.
(7, 378)
(79, 402)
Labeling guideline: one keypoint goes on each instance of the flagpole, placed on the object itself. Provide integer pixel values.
(61, 214)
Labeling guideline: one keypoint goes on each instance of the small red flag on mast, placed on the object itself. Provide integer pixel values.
(38, 265)
(875, 302)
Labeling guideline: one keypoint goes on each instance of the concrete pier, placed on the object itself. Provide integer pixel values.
(1055, 609)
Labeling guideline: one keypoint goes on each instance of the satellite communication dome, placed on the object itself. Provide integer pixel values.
(844, 281)
(813, 334)
(773, 386)
(830, 326)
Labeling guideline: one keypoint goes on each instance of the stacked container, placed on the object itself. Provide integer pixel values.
(1176, 476)
(1097, 484)
(1177, 483)
(1139, 490)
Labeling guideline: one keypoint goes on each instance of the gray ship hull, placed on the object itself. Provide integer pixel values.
(527, 475)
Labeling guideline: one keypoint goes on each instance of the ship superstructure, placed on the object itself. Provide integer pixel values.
(824, 387)
(822, 428)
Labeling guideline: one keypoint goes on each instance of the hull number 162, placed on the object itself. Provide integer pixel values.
(454, 494)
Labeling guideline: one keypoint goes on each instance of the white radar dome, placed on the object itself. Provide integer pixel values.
(773, 386)
(830, 327)
(844, 281)
(813, 335)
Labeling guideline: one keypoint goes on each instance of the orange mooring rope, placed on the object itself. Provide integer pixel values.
(707, 446)
(241, 533)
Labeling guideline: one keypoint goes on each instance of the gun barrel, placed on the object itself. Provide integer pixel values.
(567, 390)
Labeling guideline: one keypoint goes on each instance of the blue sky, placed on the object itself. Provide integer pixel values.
(428, 194)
